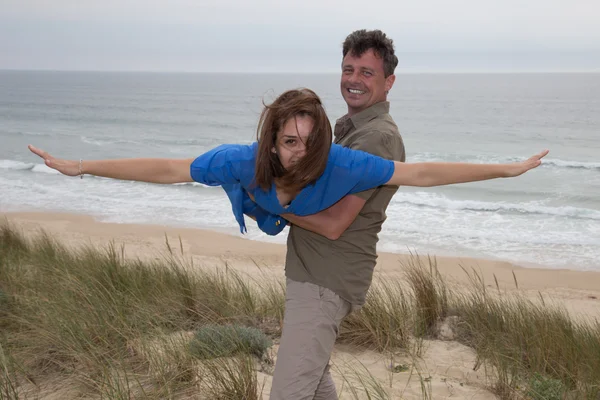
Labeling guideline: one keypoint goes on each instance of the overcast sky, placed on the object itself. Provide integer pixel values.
(297, 36)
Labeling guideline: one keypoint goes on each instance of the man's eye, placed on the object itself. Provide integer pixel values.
(367, 73)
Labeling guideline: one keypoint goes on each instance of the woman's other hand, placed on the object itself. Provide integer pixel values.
(67, 167)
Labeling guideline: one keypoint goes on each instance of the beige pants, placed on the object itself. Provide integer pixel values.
(311, 322)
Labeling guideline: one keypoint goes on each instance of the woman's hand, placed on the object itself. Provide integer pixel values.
(532, 162)
(429, 174)
(67, 167)
(152, 170)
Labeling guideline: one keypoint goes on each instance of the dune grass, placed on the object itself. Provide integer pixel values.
(531, 344)
(383, 323)
(79, 313)
(121, 328)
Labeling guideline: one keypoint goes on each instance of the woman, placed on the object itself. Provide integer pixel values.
(292, 168)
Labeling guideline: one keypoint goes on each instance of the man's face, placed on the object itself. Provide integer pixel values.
(291, 140)
(363, 81)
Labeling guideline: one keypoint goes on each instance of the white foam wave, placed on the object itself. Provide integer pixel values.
(35, 134)
(555, 163)
(196, 184)
(447, 229)
(573, 164)
(445, 232)
(423, 199)
(15, 165)
(44, 169)
(205, 143)
(105, 141)
(22, 166)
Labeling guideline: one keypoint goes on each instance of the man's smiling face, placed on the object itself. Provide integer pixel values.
(363, 81)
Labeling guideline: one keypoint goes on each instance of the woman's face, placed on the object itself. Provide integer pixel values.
(290, 145)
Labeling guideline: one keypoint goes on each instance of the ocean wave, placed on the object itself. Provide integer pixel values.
(105, 141)
(572, 164)
(204, 142)
(507, 237)
(419, 199)
(154, 142)
(43, 168)
(546, 162)
(230, 126)
(427, 200)
(15, 165)
(23, 166)
(35, 134)
(198, 184)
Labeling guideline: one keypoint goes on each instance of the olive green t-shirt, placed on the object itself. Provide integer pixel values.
(346, 265)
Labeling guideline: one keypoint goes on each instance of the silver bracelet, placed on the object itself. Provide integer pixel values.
(80, 168)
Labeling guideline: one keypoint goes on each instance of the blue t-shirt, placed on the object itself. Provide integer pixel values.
(232, 166)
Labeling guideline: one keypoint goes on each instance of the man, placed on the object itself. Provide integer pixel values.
(331, 255)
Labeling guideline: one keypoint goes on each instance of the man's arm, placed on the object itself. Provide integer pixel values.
(333, 221)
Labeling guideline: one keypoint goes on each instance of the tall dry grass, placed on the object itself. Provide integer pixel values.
(530, 343)
(81, 313)
(384, 322)
(529, 348)
(122, 328)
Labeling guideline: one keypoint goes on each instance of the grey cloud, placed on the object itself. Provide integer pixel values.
(270, 35)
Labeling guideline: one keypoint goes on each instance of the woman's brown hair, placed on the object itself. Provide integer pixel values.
(291, 104)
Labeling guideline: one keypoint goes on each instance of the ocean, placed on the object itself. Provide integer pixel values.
(549, 217)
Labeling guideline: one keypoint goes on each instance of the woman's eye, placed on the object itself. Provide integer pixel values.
(290, 141)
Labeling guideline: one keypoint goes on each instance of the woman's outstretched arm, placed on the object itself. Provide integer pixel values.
(153, 170)
(442, 173)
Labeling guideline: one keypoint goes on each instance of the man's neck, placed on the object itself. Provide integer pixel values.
(353, 112)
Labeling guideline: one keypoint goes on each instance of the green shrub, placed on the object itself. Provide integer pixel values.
(213, 341)
(544, 388)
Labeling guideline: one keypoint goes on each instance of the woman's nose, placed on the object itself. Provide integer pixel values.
(301, 150)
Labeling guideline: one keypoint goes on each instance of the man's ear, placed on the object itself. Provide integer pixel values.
(389, 82)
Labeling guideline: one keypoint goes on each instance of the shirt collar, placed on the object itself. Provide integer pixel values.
(346, 123)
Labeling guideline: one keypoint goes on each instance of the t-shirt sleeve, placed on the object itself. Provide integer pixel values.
(219, 166)
(270, 224)
(380, 144)
(365, 170)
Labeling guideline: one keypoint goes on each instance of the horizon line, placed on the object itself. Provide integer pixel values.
(325, 72)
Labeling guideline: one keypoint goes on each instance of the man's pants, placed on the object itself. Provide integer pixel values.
(311, 322)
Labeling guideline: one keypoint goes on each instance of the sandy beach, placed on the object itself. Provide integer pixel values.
(448, 364)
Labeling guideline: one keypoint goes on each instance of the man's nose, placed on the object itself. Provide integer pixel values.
(354, 77)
